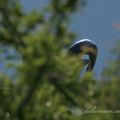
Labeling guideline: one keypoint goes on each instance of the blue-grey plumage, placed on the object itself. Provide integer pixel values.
(85, 47)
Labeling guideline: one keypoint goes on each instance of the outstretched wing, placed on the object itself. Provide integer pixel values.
(85, 47)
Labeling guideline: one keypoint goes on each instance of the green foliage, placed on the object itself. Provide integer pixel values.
(42, 81)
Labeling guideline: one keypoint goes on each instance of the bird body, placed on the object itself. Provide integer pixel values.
(85, 47)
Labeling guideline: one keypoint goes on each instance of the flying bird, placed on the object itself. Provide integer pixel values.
(85, 47)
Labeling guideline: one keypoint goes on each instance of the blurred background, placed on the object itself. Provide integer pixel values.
(38, 79)
(98, 21)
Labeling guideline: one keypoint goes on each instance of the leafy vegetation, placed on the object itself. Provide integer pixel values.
(39, 80)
